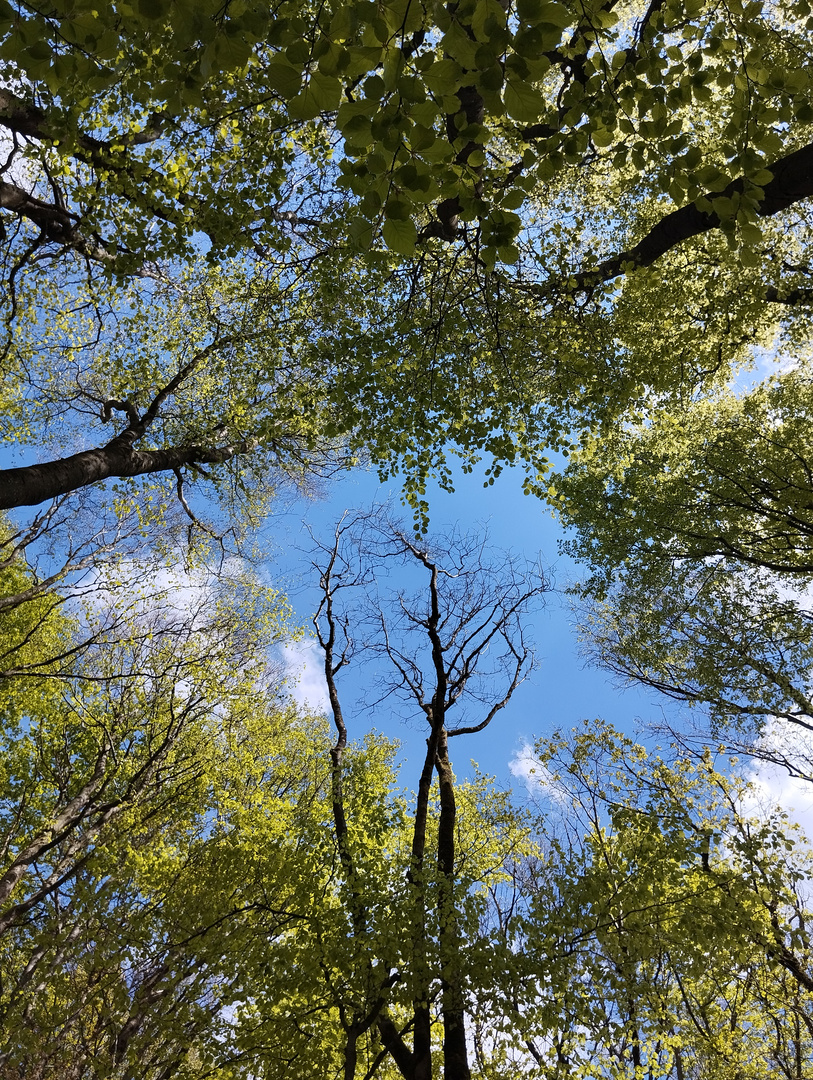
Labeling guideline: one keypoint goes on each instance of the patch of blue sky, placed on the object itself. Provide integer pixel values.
(559, 692)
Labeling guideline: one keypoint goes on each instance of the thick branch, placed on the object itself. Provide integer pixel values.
(53, 219)
(792, 182)
(779, 951)
(54, 222)
(33, 484)
(394, 1043)
(32, 122)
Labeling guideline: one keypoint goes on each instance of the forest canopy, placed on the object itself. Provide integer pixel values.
(244, 247)
(521, 226)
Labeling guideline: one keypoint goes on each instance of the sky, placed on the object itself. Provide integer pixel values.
(559, 693)
(562, 690)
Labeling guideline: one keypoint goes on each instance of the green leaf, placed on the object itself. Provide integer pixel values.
(398, 209)
(444, 76)
(232, 53)
(153, 9)
(356, 131)
(304, 106)
(362, 59)
(550, 14)
(421, 138)
(343, 24)
(326, 91)
(523, 102)
(513, 200)
(285, 79)
(529, 10)
(400, 235)
(361, 232)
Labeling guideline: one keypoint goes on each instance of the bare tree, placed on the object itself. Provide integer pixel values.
(453, 651)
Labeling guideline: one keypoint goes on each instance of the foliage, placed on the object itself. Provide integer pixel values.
(468, 110)
(196, 883)
(669, 921)
(699, 553)
(588, 213)
(122, 758)
(724, 478)
(266, 244)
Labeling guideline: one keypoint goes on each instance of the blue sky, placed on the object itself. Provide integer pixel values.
(560, 692)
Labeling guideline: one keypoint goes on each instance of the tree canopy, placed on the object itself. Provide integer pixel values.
(244, 246)
(199, 880)
(448, 118)
(545, 219)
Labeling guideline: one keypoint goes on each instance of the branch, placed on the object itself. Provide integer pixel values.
(61, 826)
(54, 222)
(394, 1043)
(793, 296)
(33, 484)
(126, 407)
(521, 660)
(792, 182)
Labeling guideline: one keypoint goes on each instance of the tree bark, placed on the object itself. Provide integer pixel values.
(455, 1051)
(792, 182)
(33, 484)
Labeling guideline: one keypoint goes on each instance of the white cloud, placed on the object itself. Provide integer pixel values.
(148, 589)
(304, 672)
(774, 785)
(538, 779)
(525, 767)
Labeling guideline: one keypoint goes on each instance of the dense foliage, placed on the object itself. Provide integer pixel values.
(488, 229)
(195, 882)
(243, 246)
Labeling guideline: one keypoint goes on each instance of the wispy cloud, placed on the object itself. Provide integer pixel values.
(536, 777)
(774, 785)
(305, 675)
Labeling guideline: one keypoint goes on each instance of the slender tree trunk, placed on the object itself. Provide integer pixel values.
(455, 1051)
(422, 1019)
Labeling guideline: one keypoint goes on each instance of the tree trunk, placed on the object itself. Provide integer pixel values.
(455, 1051)
(33, 484)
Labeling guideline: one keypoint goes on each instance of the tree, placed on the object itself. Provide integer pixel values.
(142, 772)
(721, 479)
(699, 554)
(145, 958)
(94, 728)
(457, 644)
(465, 110)
(669, 921)
(557, 185)
(201, 366)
